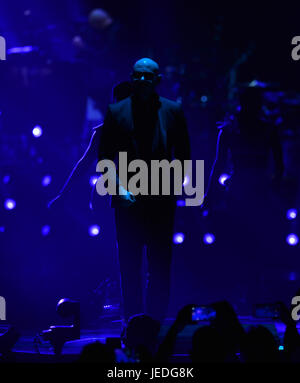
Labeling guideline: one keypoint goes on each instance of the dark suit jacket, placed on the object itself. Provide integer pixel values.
(170, 141)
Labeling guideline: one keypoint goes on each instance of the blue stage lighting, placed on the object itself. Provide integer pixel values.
(292, 276)
(205, 213)
(209, 238)
(6, 179)
(45, 230)
(178, 238)
(93, 180)
(186, 180)
(46, 180)
(94, 230)
(223, 178)
(37, 131)
(291, 214)
(292, 239)
(9, 204)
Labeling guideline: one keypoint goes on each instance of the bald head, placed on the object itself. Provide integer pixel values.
(145, 77)
(146, 65)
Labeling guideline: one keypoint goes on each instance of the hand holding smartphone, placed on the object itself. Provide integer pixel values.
(202, 313)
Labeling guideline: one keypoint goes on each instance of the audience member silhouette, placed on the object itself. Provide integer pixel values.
(260, 346)
(224, 340)
(97, 352)
(230, 328)
(208, 346)
(141, 337)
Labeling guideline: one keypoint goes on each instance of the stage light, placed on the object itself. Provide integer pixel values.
(25, 49)
(291, 214)
(205, 213)
(209, 238)
(253, 83)
(6, 179)
(186, 180)
(204, 99)
(280, 348)
(45, 230)
(59, 335)
(292, 276)
(223, 178)
(94, 230)
(180, 202)
(46, 180)
(10, 204)
(37, 131)
(2, 229)
(178, 238)
(93, 180)
(292, 239)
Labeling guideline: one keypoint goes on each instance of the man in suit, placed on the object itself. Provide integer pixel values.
(146, 127)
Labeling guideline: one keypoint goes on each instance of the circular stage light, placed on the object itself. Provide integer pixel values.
(292, 276)
(205, 213)
(180, 202)
(46, 180)
(94, 230)
(223, 178)
(178, 238)
(9, 204)
(45, 230)
(37, 131)
(209, 238)
(291, 214)
(6, 179)
(93, 180)
(186, 180)
(292, 239)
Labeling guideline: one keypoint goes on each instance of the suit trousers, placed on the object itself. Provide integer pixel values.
(149, 221)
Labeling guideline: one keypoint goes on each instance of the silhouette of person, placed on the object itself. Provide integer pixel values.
(248, 224)
(145, 126)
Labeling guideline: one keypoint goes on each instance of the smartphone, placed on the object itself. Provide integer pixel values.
(203, 313)
(268, 310)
